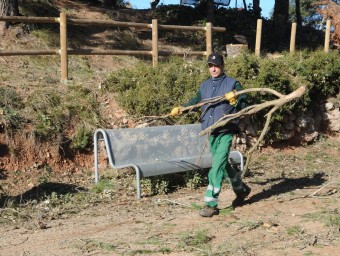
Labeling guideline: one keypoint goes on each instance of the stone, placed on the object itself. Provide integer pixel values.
(329, 106)
(309, 137)
(234, 50)
(288, 135)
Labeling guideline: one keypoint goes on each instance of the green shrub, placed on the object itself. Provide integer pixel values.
(52, 112)
(176, 15)
(47, 113)
(103, 185)
(146, 91)
(81, 138)
(322, 73)
(11, 105)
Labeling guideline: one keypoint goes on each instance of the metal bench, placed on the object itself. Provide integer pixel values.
(157, 150)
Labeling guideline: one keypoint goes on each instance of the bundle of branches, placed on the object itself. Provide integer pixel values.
(274, 104)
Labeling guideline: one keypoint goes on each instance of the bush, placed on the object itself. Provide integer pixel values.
(52, 112)
(11, 106)
(144, 90)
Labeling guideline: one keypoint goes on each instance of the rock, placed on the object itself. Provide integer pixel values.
(288, 135)
(333, 117)
(142, 125)
(304, 121)
(329, 106)
(309, 137)
(234, 50)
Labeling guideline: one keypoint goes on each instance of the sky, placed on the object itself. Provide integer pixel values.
(266, 5)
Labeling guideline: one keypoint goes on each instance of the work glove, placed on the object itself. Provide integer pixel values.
(231, 97)
(175, 111)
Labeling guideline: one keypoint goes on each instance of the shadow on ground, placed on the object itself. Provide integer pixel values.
(284, 185)
(40, 192)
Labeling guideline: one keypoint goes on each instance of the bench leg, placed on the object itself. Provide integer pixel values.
(96, 175)
(138, 182)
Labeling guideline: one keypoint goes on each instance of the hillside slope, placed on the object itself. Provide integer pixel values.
(24, 158)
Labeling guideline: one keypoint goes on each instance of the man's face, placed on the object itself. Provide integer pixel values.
(215, 71)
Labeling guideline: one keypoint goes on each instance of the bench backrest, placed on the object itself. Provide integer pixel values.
(152, 144)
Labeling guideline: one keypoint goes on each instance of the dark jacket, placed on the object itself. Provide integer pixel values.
(211, 113)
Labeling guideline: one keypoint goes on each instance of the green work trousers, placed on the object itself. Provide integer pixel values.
(221, 169)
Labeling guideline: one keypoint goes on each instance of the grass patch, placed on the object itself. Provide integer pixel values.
(56, 200)
(90, 245)
(196, 240)
(331, 218)
(196, 206)
(103, 185)
(49, 36)
(226, 211)
(11, 105)
(294, 230)
(52, 112)
(154, 242)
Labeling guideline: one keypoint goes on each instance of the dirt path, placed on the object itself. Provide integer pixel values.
(256, 229)
(284, 216)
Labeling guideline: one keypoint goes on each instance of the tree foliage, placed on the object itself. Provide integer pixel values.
(331, 10)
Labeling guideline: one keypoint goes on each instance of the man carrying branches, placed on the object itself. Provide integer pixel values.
(220, 139)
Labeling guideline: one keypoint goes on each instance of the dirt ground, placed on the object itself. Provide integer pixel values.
(293, 208)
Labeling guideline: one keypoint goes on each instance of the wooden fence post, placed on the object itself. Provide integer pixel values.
(327, 36)
(258, 38)
(292, 38)
(154, 42)
(208, 35)
(63, 48)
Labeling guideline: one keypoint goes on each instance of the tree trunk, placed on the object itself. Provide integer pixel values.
(7, 8)
(256, 8)
(245, 4)
(280, 19)
(210, 11)
(298, 13)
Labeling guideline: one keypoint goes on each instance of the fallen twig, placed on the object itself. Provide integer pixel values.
(314, 193)
(174, 202)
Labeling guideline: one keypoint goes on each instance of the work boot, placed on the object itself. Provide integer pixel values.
(209, 211)
(241, 196)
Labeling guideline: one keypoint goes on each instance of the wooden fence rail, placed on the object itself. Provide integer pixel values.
(63, 21)
(154, 26)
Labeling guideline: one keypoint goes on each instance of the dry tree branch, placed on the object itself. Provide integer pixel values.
(185, 109)
(275, 104)
(256, 108)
